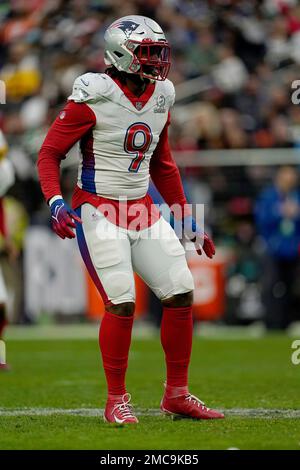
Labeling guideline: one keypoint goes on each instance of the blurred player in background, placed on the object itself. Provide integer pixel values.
(278, 223)
(121, 119)
(6, 181)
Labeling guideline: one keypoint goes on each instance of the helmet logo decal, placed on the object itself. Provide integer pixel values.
(128, 27)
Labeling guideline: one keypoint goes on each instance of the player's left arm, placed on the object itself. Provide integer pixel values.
(166, 177)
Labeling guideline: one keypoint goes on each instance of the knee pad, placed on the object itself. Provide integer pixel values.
(117, 284)
(182, 279)
(186, 279)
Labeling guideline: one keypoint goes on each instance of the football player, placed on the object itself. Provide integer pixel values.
(121, 119)
(6, 181)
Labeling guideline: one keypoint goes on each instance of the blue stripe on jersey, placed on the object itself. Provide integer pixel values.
(88, 179)
(88, 163)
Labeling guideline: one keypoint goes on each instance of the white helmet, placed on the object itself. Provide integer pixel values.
(137, 44)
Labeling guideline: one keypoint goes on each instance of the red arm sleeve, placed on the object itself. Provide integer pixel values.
(164, 171)
(69, 127)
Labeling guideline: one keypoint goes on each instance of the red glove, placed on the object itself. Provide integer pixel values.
(193, 232)
(208, 247)
(62, 218)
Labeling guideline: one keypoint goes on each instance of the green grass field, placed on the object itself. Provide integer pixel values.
(246, 377)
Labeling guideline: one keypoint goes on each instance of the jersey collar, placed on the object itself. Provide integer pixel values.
(137, 101)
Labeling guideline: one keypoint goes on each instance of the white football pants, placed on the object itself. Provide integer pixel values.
(112, 254)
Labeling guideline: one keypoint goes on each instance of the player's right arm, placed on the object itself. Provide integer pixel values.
(73, 122)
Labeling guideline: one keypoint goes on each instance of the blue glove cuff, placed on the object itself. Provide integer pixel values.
(57, 202)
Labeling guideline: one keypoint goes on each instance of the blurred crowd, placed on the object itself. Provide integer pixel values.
(246, 51)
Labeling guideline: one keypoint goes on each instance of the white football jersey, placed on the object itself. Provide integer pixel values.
(115, 157)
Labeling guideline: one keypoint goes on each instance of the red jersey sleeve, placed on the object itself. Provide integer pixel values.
(164, 172)
(72, 123)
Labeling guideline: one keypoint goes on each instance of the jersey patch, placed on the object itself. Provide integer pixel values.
(160, 104)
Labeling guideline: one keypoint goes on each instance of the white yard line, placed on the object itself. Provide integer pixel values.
(141, 330)
(98, 412)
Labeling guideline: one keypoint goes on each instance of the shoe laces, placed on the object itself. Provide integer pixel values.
(196, 401)
(124, 408)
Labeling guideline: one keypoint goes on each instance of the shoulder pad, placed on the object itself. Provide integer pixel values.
(89, 88)
(167, 88)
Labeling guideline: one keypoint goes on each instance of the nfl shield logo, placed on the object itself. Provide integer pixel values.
(138, 105)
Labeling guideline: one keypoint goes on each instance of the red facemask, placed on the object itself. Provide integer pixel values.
(151, 59)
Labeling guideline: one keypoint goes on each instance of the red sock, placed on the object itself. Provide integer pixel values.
(114, 341)
(176, 339)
